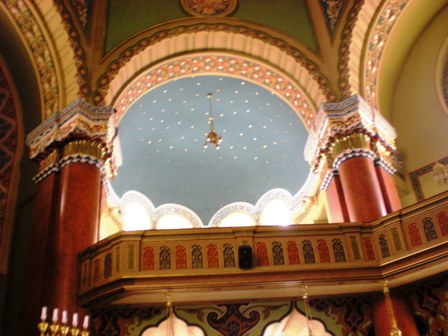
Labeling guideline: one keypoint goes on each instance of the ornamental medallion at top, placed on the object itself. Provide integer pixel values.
(219, 65)
(380, 32)
(209, 7)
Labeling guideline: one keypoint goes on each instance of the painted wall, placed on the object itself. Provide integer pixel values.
(341, 315)
(417, 112)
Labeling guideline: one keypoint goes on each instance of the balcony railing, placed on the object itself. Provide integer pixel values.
(332, 258)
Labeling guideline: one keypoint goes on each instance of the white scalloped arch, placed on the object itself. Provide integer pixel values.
(296, 324)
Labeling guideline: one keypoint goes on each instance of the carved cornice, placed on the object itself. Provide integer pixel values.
(79, 133)
(77, 120)
(342, 127)
(145, 42)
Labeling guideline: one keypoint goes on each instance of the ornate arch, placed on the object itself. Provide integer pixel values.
(221, 36)
(218, 63)
(375, 22)
(46, 42)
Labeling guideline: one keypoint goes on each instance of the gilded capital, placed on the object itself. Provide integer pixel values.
(79, 133)
(347, 129)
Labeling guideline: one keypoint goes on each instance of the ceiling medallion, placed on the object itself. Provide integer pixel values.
(208, 7)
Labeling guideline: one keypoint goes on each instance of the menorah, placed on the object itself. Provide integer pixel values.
(63, 328)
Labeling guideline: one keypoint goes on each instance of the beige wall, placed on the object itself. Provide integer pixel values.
(417, 112)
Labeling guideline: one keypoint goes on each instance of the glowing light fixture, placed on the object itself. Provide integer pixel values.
(212, 137)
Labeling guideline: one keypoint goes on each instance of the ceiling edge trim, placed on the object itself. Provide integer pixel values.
(167, 43)
(219, 64)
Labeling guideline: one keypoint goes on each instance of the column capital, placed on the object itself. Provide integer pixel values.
(79, 133)
(350, 128)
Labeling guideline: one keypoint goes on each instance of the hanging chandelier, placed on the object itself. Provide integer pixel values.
(212, 138)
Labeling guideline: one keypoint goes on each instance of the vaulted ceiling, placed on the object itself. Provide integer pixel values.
(320, 51)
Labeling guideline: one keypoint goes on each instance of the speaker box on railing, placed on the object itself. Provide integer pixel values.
(245, 257)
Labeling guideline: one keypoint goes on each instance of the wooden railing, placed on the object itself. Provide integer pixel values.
(403, 247)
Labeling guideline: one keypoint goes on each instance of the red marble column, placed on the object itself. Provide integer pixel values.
(388, 189)
(77, 229)
(336, 202)
(403, 315)
(361, 189)
(71, 148)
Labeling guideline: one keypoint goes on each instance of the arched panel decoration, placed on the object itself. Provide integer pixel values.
(220, 64)
(166, 42)
(295, 323)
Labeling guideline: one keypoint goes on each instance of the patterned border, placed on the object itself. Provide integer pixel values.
(385, 165)
(82, 9)
(378, 37)
(327, 179)
(78, 117)
(351, 154)
(82, 158)
(344, 79)
(332, 10)
(38, 47)
(125, 56)
(73, 36)
(231, 208)
(46, 172)
(169, 209)
(226, 66)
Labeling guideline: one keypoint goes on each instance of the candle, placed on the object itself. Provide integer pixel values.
(75, 320)
(85, 325)
(43, 315)
(64, 317)
(55, 315)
